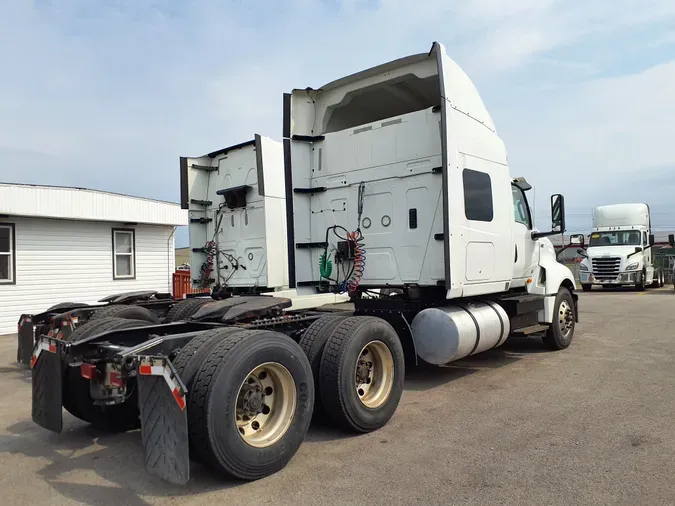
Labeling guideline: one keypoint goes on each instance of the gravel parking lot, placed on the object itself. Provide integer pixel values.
(518, 425)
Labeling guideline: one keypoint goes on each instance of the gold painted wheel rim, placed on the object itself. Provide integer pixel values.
(266, 405)
(374, 375)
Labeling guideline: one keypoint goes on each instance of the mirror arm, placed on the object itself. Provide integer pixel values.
(539, 235)
(557, 255)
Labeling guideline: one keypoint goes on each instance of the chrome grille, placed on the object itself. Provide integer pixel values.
(606, 268)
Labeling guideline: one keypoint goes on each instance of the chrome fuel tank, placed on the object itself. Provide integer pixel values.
(445, 334)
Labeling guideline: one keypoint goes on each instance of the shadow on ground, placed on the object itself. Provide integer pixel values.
(116, 458)
(426, 376)
(15, 371)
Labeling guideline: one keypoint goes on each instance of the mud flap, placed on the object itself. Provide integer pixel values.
(25, 340)
(164, 426)
(47, 382)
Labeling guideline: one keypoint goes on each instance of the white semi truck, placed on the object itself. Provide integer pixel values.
(395, 180)
(236, 202)
(620, 249)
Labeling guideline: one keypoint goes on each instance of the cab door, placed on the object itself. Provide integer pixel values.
(523, 244)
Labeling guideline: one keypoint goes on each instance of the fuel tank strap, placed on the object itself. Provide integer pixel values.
(475, 322)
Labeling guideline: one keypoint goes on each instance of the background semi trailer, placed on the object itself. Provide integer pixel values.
(235, 199)
(237, 217)
(620, 249)
(236, 385)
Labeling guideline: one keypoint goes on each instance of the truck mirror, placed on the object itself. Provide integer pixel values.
(671, 240)
(651, 240)
(557, 213)
(577, 240)
(582, 252)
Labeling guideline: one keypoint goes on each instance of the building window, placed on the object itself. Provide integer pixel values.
(477, 195)
(7, 248)
(124, 254)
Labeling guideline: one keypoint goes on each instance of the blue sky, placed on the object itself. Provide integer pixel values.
(109, 94)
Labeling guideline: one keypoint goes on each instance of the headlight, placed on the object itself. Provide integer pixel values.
(633, 266)
(582, 267)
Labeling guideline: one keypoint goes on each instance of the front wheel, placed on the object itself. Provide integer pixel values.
(641, 285)
(560, 332)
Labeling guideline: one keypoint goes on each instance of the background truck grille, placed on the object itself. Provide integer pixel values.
(606, 268)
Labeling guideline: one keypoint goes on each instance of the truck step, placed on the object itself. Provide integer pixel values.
(206, 168)
(201, 202)
(201, 220)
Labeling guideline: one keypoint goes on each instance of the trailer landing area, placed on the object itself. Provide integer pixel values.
(515, 425)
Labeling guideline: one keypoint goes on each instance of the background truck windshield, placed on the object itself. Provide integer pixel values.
(618, 238)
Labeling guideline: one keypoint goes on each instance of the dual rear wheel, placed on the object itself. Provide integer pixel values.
(252, 393)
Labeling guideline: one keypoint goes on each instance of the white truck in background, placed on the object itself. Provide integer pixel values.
(620, 249)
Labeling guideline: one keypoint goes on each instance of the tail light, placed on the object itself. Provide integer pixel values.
(88, 371)
(116, 379)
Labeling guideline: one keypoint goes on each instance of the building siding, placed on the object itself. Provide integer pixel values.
(61, 260)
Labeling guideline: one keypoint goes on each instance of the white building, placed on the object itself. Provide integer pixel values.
(77, 245)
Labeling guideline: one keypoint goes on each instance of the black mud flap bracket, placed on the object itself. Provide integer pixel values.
(26, 339)
(47, 383)
(164, 425)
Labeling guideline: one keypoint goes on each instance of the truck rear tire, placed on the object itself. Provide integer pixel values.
(127, 312)
(183, 309)
(251, 404)
(362, 373)
(561, 331)
(313, 342)
(76, 398)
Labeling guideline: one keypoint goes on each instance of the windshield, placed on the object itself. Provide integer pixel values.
(617, 238)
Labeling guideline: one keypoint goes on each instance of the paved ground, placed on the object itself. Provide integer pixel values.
(592, 424)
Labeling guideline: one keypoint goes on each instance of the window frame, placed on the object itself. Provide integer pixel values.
(492, 196)
(131, 231)
(530, 225)
(11, 254)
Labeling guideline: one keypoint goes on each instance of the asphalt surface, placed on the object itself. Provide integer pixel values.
(594, 424)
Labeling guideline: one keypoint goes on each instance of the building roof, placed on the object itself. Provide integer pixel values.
(67, 203)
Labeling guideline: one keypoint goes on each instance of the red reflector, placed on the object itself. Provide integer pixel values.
(33, 359)
(116, 379)
(145, 370)
(52, 348)
(88, 371)
(179, 398)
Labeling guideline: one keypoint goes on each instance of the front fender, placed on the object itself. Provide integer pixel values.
(551, 276)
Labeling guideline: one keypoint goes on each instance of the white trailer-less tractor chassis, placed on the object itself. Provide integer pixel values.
(396, 184)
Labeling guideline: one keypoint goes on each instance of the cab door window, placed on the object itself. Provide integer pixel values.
(520, 208)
